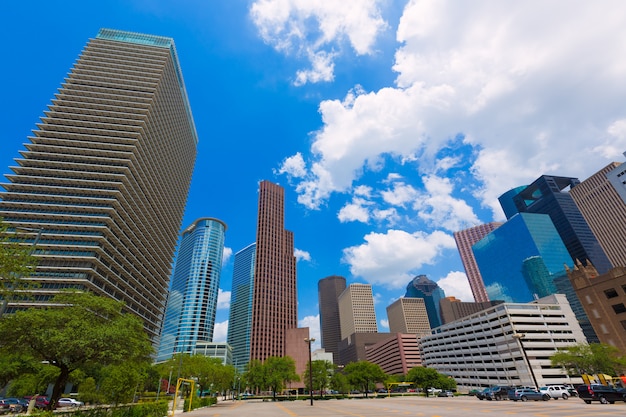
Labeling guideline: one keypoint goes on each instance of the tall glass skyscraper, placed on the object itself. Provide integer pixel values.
(101, 187)
(192, 301)
(549, 195)
(516, 259)
(240, 320)
(422, 287)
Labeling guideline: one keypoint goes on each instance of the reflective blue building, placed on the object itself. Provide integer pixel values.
(550, 195)
(422, 287)
(240, 320)
(520, 259)
(192, 300)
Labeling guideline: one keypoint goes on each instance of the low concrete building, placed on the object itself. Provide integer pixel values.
(396, 355)
(508, 344)
(298, 350)
(353, 348)
(454, 309)
(220, 350)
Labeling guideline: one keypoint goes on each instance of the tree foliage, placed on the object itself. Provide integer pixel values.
(363, 375)
(16, 263)
(273, 374)
(593, 358)
(321, 375)
(75, 331)
(425, 378)
(209, 372)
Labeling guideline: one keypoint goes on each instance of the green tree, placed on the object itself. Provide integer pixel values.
(88, 391)
(339, 383)
(425, 378)
(322, 374)
(255, 376)
(209, 372)
(16, 263)
(75, 331)
(280, 372)
(363, 374)
(593, 358)
(121, 382)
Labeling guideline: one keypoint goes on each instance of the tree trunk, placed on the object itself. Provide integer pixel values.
(59, 386)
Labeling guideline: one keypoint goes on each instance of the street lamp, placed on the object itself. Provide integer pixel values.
(519, 337)
(309, 340)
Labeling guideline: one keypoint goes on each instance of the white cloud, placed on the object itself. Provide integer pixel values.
(293, 166)
(389, 215)
(302, 255)
(532, 86)
(220, 331)
(317, 30)
(228, 252)
(223, 299)
(390, 258)
(322, 69)
(455, 284)
(439, 209)
(384, 324)
(400, 194)
(313, 323)
(355, 211)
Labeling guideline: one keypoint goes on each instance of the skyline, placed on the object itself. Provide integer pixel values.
(390, 124)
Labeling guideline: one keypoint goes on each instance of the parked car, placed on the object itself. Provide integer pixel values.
(525, 394)
(445, 394)
(5, 407)
(40, 402)
(497, 393)
(556, 391)
(434, 390)
(599, 392)
(69, 402)
(481, 395)
(15, 404)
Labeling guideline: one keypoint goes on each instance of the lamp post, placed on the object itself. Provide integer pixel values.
(309, 340)
(519, 337)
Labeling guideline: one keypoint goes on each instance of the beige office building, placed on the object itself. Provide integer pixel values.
(102, 185)
(356, 310)
(408, 315)
(605, 212)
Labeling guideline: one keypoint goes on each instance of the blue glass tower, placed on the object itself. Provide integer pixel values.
(549, 195)
(520, 259)
(192, 301)
(422, 287)
(240, 320)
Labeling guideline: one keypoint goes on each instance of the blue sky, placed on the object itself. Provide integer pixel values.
(391, 124)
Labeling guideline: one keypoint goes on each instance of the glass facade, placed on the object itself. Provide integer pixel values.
(520, 259)
(422, 287)
(192, 301)
(240, 320)
(550, 195)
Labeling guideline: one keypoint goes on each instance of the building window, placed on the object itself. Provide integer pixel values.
(610, 293)
(623, 324)
(619, 308)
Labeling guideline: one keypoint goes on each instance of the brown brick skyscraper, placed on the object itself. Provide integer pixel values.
(274, 300)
